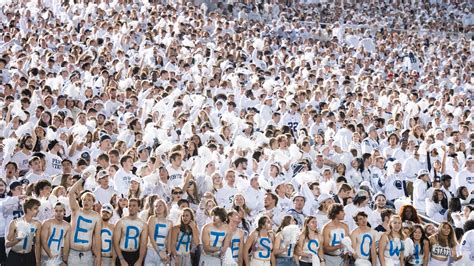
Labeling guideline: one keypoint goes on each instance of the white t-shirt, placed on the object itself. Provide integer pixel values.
(465, 178)
(21, 160)
(225, 196)
(122, 181)
(104, 195)
(467, 245)
(33, 178)
(175, 176)
(420, 195)
(53, 164)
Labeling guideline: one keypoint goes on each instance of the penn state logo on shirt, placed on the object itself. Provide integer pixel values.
(470, 179)
(398, 184)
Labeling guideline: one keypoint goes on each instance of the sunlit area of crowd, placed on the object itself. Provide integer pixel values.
(236, 133)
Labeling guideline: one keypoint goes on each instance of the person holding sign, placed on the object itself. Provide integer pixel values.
(130, 237)
(159, 231)
(54, 234)
(86, 226)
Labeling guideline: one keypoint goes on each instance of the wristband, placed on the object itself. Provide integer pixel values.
(120, 257)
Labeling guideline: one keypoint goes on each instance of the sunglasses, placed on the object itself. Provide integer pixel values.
(177, 192)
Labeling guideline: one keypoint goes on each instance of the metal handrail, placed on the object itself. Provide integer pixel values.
(427, 220)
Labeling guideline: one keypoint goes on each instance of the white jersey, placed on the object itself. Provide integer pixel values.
(175, 176)
(291, 120)
(122, 181)
(53, 164)
(467, 245)
(369, 145)
(464, 178)
(21, 160)
(420, 195)
(104, 195)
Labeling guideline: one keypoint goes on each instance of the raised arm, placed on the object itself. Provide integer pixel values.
(74, 193)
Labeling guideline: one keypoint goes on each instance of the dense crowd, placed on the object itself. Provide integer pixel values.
(236, 133)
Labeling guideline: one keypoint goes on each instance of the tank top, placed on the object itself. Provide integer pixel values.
(364, 243)
(131, 235)
(440, 251)
(56, 239)
(183, 245)
(417, 258)
(235, 245)
(263, 248)
(161, 233)
(106, 242)
(393, 248)
(26, 245)
(335, 237)
(216, 238)
(310, 246)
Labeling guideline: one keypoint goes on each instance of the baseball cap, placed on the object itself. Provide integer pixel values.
(86, 156)
(323, 197)
(107, 208)
(104, 137)
(298, 196)
(102, 174)
(423, 172)
(446, 177)
(14, 185)
(52, 144)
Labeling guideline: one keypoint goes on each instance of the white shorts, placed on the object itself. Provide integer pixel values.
(80, 257)
(152, 258)
(106, 261)
(436, 262)
(259, 263)
(209, 260)
(45, 259)
(333, 260)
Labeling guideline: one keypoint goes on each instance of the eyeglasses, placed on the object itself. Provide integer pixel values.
(178, 193)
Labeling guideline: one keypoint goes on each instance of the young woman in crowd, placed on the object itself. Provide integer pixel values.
(443, 246)
(183, 237)
(259, 245)
(391, 244)
(309, 243)
(421, 243)
(284, 250)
